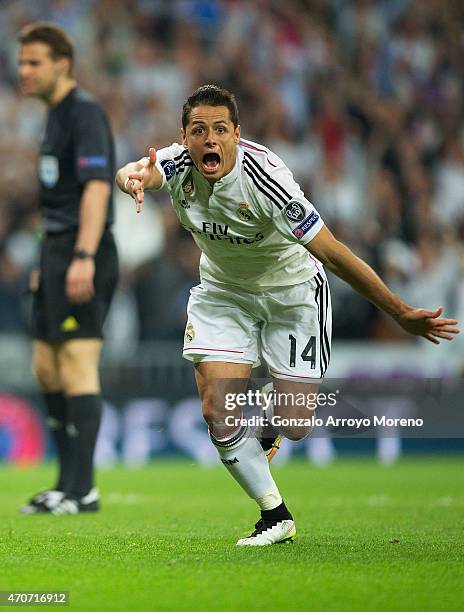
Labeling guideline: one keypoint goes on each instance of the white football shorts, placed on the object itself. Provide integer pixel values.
(289, 327)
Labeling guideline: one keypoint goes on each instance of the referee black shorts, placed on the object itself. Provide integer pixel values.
(54, 317)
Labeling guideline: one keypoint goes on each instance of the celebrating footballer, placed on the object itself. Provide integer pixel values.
(263, 290)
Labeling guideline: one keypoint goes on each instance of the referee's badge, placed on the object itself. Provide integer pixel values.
(243, 211)
(49, 170)
(189, 333)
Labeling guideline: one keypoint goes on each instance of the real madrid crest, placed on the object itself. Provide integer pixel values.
(187, 187)
(243, 211)
(189, 333)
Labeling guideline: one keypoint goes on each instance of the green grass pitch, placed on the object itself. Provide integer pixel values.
(369, 538)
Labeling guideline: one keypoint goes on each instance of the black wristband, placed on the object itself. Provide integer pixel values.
(83, 254)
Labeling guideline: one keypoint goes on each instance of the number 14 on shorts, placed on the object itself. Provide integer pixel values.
(307, 354)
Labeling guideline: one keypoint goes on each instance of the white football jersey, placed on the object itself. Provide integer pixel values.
(251, 224)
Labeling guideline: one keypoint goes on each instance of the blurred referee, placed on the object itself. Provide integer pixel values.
(78, 263)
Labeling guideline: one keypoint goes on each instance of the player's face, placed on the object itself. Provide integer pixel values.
(212, 141)
(38, 71)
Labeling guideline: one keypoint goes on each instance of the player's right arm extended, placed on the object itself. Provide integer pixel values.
(135, 177)
(340, 260)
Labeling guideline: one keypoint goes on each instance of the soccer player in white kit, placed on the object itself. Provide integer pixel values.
(263, 290)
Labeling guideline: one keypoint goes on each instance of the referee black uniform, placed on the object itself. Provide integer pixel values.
(77, 147)
(78, 262)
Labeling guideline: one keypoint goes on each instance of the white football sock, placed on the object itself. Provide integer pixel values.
(248, 464)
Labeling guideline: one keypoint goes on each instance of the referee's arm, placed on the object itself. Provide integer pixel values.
(340, 260)
(92, 215)
(79, 284)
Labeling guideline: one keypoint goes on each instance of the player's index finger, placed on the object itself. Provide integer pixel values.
(152, 155)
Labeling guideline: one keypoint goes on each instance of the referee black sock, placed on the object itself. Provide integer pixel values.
(56, 406)
(84, 416)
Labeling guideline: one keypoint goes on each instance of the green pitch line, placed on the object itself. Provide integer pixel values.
(369, 538)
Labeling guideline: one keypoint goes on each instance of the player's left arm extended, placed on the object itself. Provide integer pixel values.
(340, 260)
(92, 219)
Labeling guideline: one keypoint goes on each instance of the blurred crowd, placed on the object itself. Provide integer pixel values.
(363, 99)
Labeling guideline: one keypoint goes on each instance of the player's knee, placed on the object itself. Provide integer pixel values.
(213, 411)
(209, 410)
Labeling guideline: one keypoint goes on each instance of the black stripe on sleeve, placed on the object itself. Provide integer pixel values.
(184, 154)
(269, 184)
(259, 185)
(183, 166)
(285, 195)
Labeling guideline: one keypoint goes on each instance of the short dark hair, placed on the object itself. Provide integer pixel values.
(210, 95)
(60, 43)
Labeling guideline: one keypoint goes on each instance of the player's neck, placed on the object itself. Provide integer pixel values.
(60, 92)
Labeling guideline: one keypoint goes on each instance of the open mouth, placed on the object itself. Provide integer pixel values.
(211, 162)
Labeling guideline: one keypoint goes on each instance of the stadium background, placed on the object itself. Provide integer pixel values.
(362, 99)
